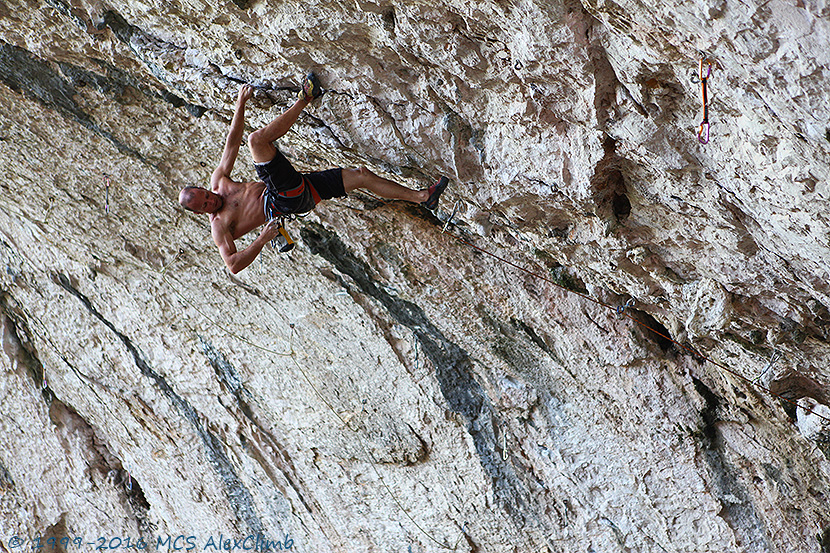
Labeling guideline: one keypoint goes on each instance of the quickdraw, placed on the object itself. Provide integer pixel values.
(452, 215)
(621, 308)
(704, 74)
(107, 194)
(776, 355)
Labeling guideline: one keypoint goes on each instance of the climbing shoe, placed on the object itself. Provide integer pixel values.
(435, 193)
(311, 88)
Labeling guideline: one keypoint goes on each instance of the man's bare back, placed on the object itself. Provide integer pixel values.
(237, 208)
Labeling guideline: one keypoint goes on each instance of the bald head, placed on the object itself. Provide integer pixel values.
(200, 200)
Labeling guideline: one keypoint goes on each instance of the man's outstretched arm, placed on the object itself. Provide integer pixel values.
(235, 132)
(236, 260)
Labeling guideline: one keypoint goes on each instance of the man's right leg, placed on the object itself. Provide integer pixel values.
(261, 141)
(363, 178)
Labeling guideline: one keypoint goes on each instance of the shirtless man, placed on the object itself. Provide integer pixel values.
(237, 208)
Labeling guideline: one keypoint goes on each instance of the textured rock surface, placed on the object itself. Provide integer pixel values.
(427, 396)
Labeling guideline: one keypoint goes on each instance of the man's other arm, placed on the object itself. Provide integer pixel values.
(234, 140)
(236, 260)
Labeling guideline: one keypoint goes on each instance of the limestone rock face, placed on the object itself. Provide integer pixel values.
(636, 361)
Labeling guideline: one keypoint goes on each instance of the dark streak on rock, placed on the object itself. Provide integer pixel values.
(37, 79)
(55, 85)
(238, 495)
(232, 381)
(453, 369)
(125, 32)
(737, 508)
(19, 334)
(534, 337)
(225, 372)
(824, 540)
(6, 480)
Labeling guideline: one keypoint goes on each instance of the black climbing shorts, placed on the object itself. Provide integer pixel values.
(289, 191)
(329, 183)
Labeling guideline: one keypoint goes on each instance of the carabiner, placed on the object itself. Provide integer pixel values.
(709, 64)
(703, 133)
(450, 218)
(282, 241)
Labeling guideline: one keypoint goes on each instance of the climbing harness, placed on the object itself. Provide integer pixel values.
(281, 241)
(703, 129)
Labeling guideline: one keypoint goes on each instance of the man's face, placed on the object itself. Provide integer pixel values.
(203, 201)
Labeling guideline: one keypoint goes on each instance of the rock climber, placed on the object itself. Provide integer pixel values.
(236, 208)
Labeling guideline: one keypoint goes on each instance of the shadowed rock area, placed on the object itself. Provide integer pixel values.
(655, 379)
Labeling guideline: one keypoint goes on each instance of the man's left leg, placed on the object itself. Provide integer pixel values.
(261, 141)
(364, 178)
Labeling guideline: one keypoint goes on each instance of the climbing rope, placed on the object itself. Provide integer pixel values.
(620, 311)
(213, 321)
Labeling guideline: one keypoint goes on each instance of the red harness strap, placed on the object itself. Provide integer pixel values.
(294, 192)
(297, 191)
(314, 194)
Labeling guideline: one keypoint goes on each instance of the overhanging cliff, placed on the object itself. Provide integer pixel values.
(386, 386)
